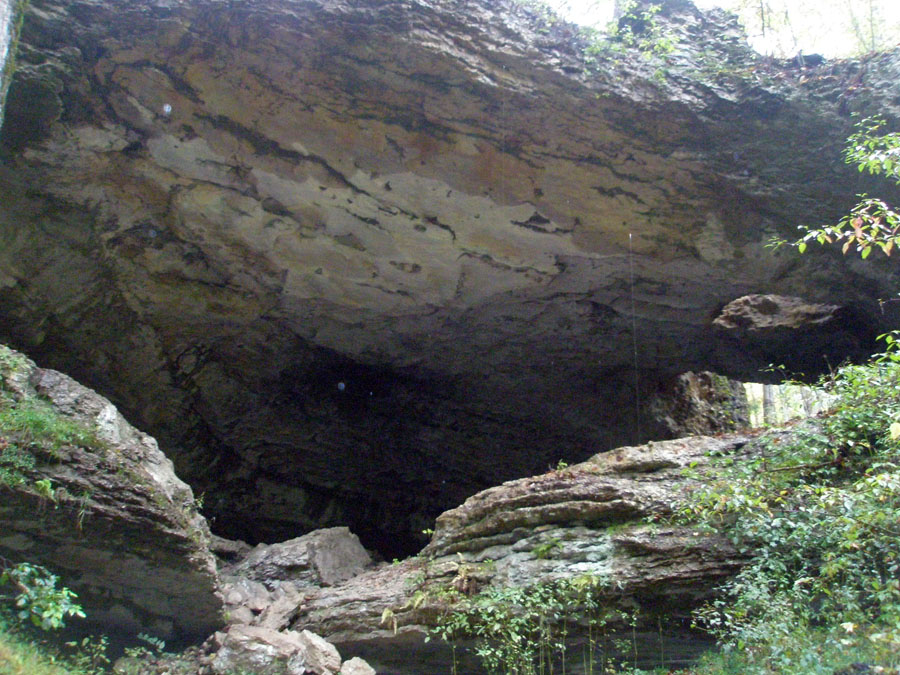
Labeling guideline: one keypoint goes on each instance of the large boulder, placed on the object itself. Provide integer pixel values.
(320, 558)
(268, 652)
(267, 585)
(95, 500)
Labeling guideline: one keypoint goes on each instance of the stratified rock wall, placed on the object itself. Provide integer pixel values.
(353, 262)
(590, 520)
(698, 404)
(106, 514)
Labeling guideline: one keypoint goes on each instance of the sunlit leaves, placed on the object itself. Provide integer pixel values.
(873, 152)
(820, 515)
(872, 224)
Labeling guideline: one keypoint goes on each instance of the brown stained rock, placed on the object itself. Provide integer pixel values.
(120, 529)
(439, 205)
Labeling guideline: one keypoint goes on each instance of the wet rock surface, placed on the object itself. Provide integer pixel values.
(354, 262)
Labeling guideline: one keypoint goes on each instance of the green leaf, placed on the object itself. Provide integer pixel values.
(801, 246)
(865, 252)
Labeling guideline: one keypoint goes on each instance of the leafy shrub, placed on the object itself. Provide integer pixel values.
(820, 515)
(522, 630)
(37, 599)
(871, 224)
(20, 655)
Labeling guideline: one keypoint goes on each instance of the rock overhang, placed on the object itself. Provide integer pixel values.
(233, 209)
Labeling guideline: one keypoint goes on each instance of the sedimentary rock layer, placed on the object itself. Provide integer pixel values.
(589, 520)
(102, 509)
(353, 262)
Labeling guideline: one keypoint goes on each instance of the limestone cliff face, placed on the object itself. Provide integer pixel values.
(353, 262)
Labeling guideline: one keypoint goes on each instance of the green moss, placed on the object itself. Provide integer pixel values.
(10, 363)
(15, 463)
(32, 422)
(30, 429)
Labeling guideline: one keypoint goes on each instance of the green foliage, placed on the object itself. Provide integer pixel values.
(877, 154)
(35, 422)
(637, 30)
(522, 630)
(871, 224)
(819, 513)
(30, 428)
(89, 654)
(44, 488)
(547, 548)
(37, 599)
(20, 655)
(15, 463)
(151, 658)
(10, 361)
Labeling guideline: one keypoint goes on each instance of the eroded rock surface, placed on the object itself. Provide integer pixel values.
(10, 23)
(699, 404)
(587, 519)
(353, 262)
(109, 516)
(265, 586)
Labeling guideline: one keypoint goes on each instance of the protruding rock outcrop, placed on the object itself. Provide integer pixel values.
(591, 519)
(94, 500)
(352, 262)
